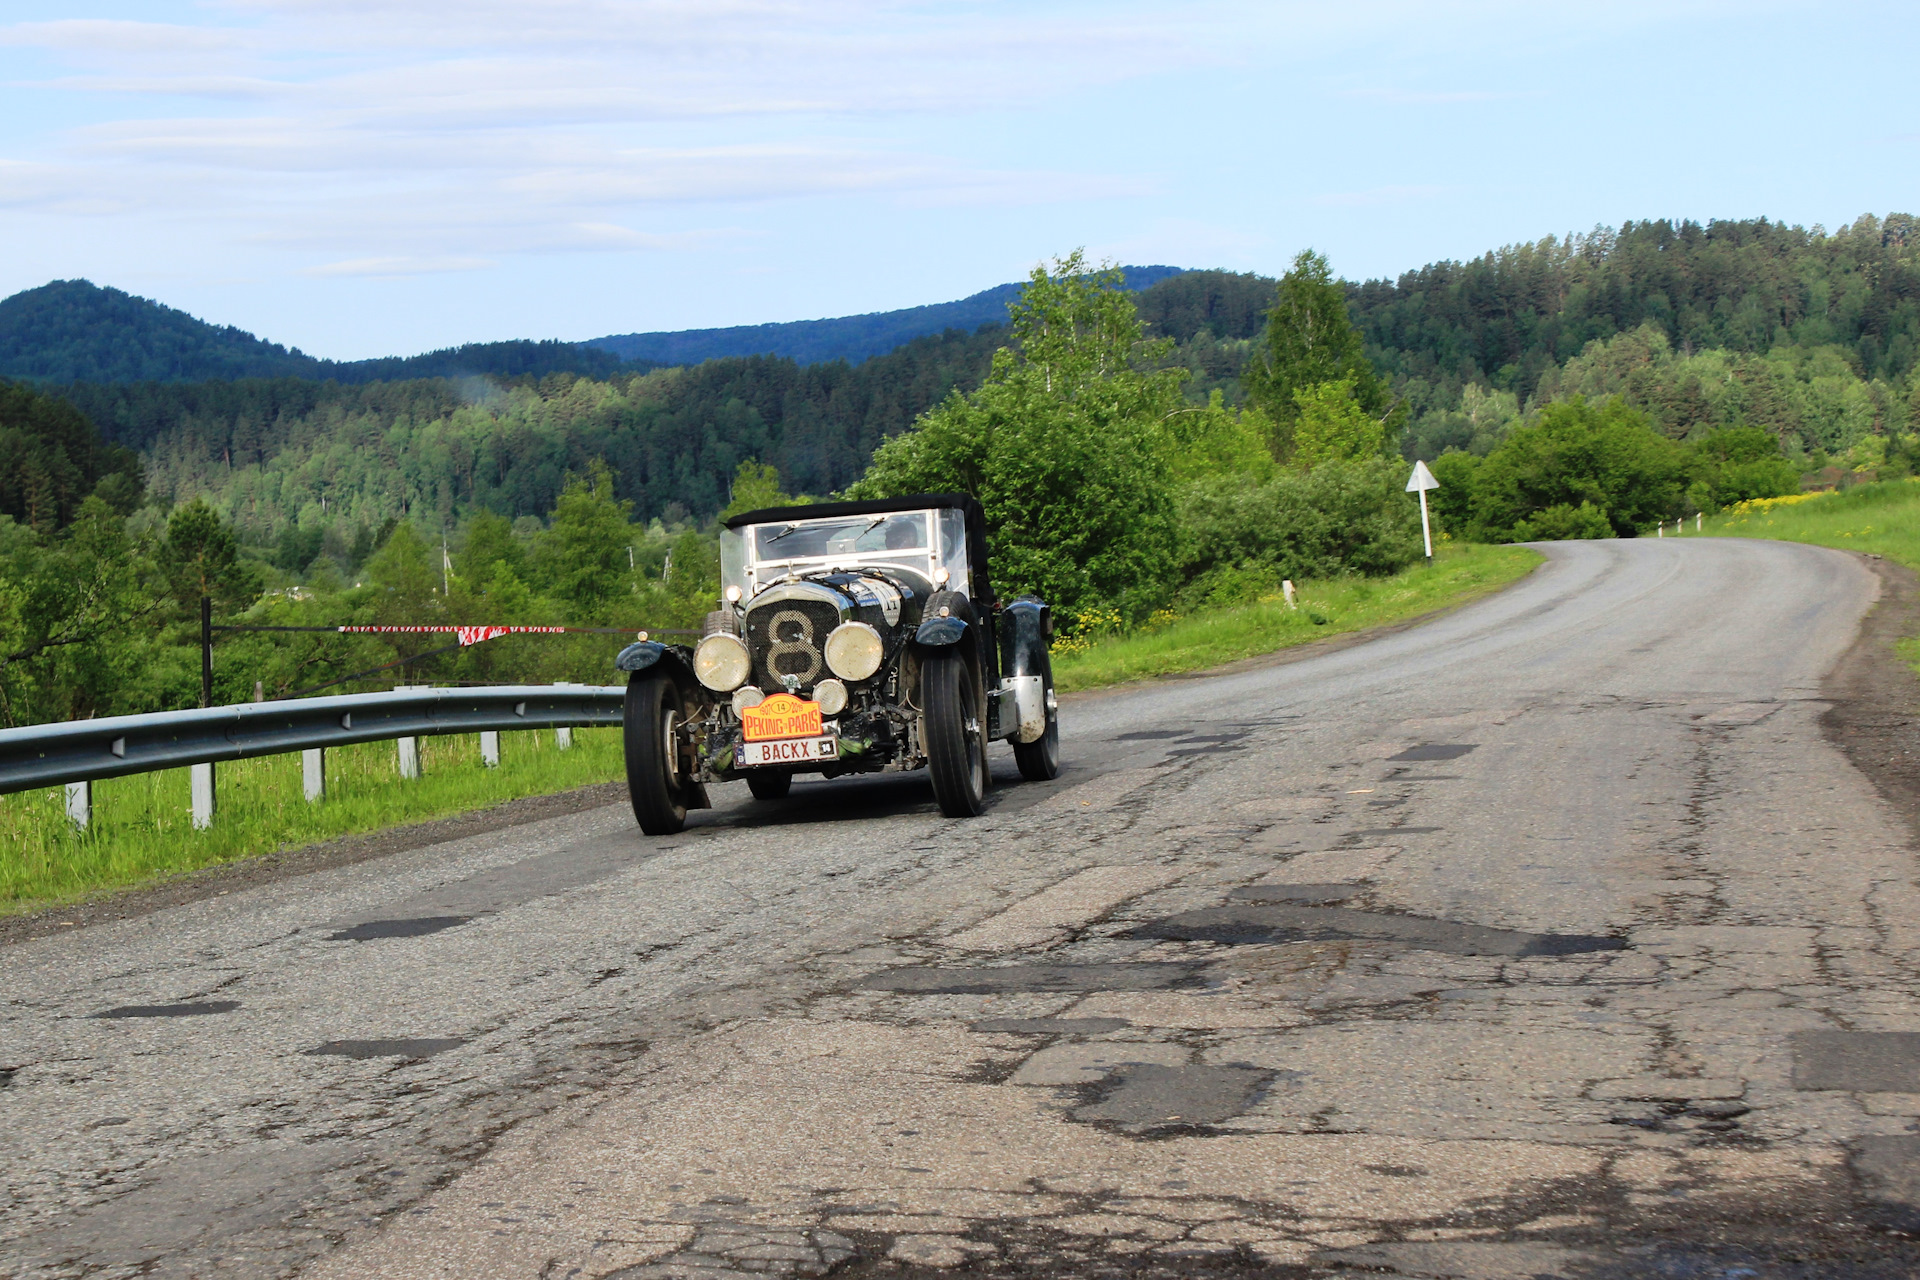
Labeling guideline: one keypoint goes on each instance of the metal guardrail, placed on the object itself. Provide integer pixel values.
(80, 752)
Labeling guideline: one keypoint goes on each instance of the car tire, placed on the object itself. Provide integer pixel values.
(954, 738)
(769, 784)
(1039, 760)
(654, 784)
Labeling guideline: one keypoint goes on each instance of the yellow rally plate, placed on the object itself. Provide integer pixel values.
(781, 716)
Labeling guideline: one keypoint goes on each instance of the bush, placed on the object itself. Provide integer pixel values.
(1239, 537)
(1605, 456)
(1741, 463)
(1562, 522)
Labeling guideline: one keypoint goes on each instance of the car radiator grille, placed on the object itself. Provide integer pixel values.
(787, 638)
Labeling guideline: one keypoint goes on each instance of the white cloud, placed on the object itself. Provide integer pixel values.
(386, 268)
(411, 136)
(109, 37)
(428, 131)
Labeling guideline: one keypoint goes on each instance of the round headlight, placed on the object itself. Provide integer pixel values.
(721, 662)
(832, 697)
(746, 696)
(854, 650)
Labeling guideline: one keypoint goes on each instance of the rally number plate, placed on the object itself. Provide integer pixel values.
(790, 751)
(781, 716)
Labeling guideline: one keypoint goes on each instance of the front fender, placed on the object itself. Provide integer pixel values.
(640, 656)
(676, 660)
(941, 633)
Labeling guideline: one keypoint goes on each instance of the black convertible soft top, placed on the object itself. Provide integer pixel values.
(976, 517)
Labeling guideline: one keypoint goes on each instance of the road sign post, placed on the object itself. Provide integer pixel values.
(1419, 482)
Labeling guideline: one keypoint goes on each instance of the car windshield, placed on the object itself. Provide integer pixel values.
(884, 535)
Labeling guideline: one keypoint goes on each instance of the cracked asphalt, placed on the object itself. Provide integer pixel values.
(1552, 938)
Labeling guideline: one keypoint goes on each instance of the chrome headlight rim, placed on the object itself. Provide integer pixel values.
(831, 695)
(721, 662)
(870, 650)
(746, 697)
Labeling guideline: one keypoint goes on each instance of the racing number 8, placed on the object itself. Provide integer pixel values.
(801, 644)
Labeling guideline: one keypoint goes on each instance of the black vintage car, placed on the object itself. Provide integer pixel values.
(852, 637)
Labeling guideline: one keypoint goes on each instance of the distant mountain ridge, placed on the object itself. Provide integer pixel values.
(76, 331)
(71, 331)
(849, 338)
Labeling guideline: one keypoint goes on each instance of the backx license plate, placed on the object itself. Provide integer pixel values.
(789, 751)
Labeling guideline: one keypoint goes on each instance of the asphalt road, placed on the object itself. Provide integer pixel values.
(1550, 938)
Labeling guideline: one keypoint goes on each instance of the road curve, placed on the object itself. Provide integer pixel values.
(1549, 938)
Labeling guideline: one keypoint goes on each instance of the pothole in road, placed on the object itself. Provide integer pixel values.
(1865, 1061)
(1036, 977)
(1302, 893)
(1269, 922)
(1436, 751)
(418, 927)
(1140, 1097)
(1051, 1026)
(382, 1048)
(198, 1010)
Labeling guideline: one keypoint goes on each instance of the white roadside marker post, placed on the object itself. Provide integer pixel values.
(200, 789)
(80, 804)
(313, 774)
(408, 749)
(1419, 482)
(563, 734)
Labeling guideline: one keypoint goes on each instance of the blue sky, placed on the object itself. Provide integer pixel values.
(374, 177)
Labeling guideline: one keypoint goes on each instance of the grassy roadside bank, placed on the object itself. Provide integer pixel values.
(1192, 643)
(1880, 518)
(141, 829)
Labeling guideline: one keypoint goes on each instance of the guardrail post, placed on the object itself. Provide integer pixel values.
(409, 748)
(563, 734)
(80, 804)
(201, 779)
(313, 773)
(490, 748)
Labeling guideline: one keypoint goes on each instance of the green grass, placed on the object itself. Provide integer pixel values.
(141, 827)
(1881, 518)
(1207, 639)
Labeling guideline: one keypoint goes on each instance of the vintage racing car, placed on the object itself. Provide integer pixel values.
(852, 637)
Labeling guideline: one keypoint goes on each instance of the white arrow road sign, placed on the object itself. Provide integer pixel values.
(1419, 482)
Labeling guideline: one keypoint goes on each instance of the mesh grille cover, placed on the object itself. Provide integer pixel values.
(786, 637)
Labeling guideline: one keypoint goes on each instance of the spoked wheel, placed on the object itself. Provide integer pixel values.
(1039, 760)
(654, 780)
(955, 738)
(769, 784)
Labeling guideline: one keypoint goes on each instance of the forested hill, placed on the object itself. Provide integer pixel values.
(849, 338)
(1509, 316)
(1810, 334)
(76, 331)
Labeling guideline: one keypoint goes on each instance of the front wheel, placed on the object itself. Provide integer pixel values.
(1039, 760)
(654, 784)
(955, 739)
(769, 784)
